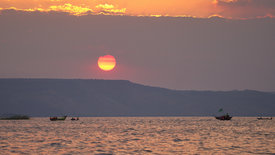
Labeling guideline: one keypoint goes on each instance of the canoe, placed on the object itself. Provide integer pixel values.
(58, 118)
(264, 118)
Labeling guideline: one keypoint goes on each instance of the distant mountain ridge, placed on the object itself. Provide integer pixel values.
(47, 97)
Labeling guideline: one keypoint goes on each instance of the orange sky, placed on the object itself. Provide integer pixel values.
(194, 8)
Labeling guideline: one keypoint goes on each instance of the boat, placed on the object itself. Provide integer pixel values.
(58, 118)
(75, 119)
(264, 118)
(15, 117)
(223, 117)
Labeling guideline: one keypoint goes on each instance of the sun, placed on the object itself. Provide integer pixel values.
(106, 62)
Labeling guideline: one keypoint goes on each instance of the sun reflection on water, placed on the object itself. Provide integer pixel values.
(157, 135)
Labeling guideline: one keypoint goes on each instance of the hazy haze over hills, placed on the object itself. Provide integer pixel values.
(46, 97)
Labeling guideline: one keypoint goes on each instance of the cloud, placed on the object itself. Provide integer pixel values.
(246, 8)
(236, 9)
(73, 9)
(247, 3)
(109, 9)
(68, 8)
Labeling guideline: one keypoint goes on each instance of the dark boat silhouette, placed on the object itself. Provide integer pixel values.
(223, 117)
(264, 118)
(58, 118)
(75, 119)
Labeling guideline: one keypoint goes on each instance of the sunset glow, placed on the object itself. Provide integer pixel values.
(107, 62)
(152, 8)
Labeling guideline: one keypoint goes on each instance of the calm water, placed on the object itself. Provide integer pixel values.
(138, 135)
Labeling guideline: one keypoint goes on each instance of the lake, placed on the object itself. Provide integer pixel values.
(138, 135)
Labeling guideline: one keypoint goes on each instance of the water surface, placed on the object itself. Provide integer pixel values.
(138, 135)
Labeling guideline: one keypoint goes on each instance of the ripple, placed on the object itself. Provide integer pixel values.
(177, 140)
(160, 135)
(56, 144)
(148, 150)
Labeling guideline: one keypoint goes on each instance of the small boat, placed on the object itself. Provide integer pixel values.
(58, 118)
(75, 119)
(264, 118)
(223, 117)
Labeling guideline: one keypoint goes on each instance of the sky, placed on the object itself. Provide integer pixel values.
(176, 44)
(239, 9)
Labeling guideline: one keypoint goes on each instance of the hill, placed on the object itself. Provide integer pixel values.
(47, 97)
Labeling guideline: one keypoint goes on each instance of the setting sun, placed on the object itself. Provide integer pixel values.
(106, 62)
